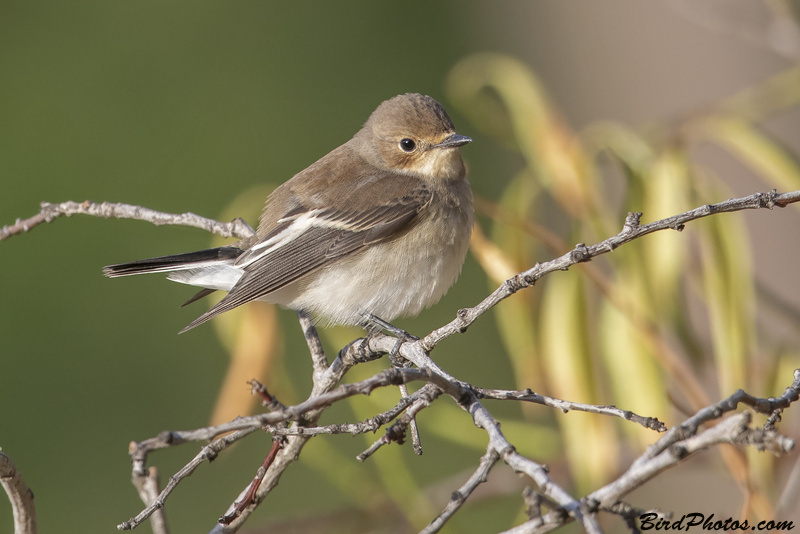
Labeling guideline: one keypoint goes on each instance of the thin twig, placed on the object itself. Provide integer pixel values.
(582, 253)
(148, 487)
(372, 424)
(207, 453)
(267, 399)
(460, 496)
(670, 449)
(416, 441)
(397, 431)
(527, 395)
(49, 212)
(728, 431)
(678, 444)
(467, 399)
(240, 504)
(715, 411)
(324, 381)
(247, 497)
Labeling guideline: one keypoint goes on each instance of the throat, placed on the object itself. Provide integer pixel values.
(442, 164)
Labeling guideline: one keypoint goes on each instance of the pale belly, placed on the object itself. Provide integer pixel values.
(388, 280)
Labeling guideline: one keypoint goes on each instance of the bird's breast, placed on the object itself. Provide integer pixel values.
(398, 277)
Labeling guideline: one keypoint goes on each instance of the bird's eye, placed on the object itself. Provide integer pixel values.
(408, 145)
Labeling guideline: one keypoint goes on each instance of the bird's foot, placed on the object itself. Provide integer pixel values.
(375, 325)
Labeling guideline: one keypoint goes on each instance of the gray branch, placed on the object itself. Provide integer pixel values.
(683, 441)
(20, 495)
(565, 406)
(108, 210)
(582, 253)
(460, 496)
(295, 425)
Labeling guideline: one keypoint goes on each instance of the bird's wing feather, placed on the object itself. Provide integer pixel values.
(306, 240)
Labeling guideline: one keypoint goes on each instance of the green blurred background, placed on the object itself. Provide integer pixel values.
(187, 106)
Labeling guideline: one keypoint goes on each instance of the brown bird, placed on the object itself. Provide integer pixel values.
(377, 228)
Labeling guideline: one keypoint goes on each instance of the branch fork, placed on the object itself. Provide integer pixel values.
(292, 426)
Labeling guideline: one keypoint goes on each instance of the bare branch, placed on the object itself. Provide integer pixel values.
(464, 394)
(416, 441)
(678, 444)
(460, 496)
(139, 450)
(207, 453)
(582, 253)
(529, 396)
(240, 504)
(318, 359)
(49, 212)
(730, 430)
(397, 431)
(324, 381)
(715, 411)
(427, 393)
(20, 495)
(148, 487)
(293, 426)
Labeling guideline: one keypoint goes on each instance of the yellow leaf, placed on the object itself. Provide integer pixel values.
(590, 441)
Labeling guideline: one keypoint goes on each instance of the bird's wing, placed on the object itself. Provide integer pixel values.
(306, 239)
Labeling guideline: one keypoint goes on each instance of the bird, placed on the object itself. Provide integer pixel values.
(377, 229)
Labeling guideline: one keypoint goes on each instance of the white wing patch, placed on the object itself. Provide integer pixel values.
(300, 224)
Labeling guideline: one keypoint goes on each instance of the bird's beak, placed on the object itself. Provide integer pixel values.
(454, 141)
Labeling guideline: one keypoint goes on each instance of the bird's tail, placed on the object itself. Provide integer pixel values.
(176, 262)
